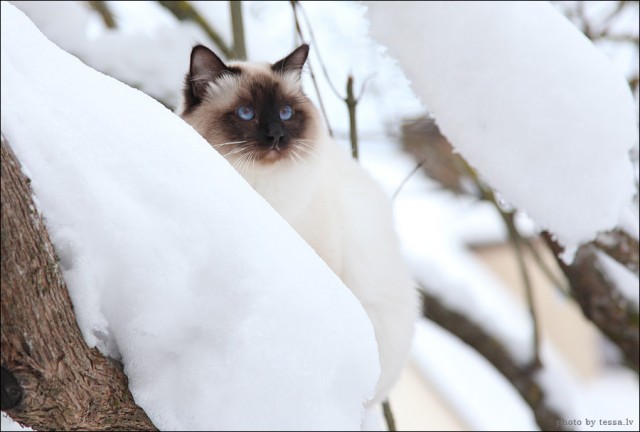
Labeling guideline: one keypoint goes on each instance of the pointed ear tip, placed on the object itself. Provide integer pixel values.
(302, 50)
(199, 47)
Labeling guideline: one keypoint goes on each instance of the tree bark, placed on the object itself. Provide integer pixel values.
(60, 384)
(600, 300)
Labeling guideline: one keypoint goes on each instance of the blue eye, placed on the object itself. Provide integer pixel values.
(286, 112)
(245, 112)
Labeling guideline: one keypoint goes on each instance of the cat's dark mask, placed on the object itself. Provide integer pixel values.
(249, 110)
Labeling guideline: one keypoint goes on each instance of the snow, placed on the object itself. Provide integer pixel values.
(491, 403)
(8, 424)
(475, 292)
(623, 279)
(454, 369)
(611, 396)
(435, 226)
(136, 56)
(151, 46)
(528, 100)
(217, 309)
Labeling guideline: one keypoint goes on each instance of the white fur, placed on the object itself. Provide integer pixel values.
(342, 213)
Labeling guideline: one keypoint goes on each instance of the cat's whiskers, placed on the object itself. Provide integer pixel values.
(237, 164)
(254, 158)
(305, 148)
(243, 154)
(294, 157)
(235, 152)
(228, 143)
(246, 161)
(306, 142)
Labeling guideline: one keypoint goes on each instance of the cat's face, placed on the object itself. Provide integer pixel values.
(253, 114)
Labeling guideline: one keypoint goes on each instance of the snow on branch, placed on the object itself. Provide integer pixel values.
(528, 101)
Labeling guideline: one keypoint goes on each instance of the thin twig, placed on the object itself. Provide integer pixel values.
(388, 416)
(516, 242)
(555, 281)
(183, 11)
(363, 88)
(351, 102)
(313, 40)
(103, 9)
(294, 5)
(407, 178)
(237, 25)
(516, 239)
(614, 13)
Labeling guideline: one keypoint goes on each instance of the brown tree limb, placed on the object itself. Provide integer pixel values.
(621, 247)
(600, 300)
(237, 25)
(105, 13)
(184, 11)
(521, 377)
(351, 102)
(61, 383)
(388, 416)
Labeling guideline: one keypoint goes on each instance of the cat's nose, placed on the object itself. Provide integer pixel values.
(275, 132)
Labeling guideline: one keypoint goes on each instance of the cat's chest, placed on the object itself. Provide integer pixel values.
(321, 226)
(314, 212)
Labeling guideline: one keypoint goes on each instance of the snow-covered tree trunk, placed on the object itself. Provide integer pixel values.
(60, 384)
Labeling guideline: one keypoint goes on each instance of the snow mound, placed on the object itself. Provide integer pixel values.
(222, 316)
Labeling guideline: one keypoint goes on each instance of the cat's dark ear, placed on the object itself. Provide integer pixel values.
(293, 62)
(204, 68)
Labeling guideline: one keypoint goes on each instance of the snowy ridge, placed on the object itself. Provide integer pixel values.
(218, 310)
(432, 223)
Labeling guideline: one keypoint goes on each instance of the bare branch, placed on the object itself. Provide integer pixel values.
(297, 4)
(422, 138)
(553, 279)
(237, 24)
(183, 11)
(388, 416)
(103, 9)
(353, 127)
(406, 179)
(600, 300)
(516, 241)
(621, 247)
(522, 378)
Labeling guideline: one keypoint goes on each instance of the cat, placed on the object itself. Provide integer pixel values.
(257, 116)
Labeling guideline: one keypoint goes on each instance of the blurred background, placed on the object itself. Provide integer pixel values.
(512, 338)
